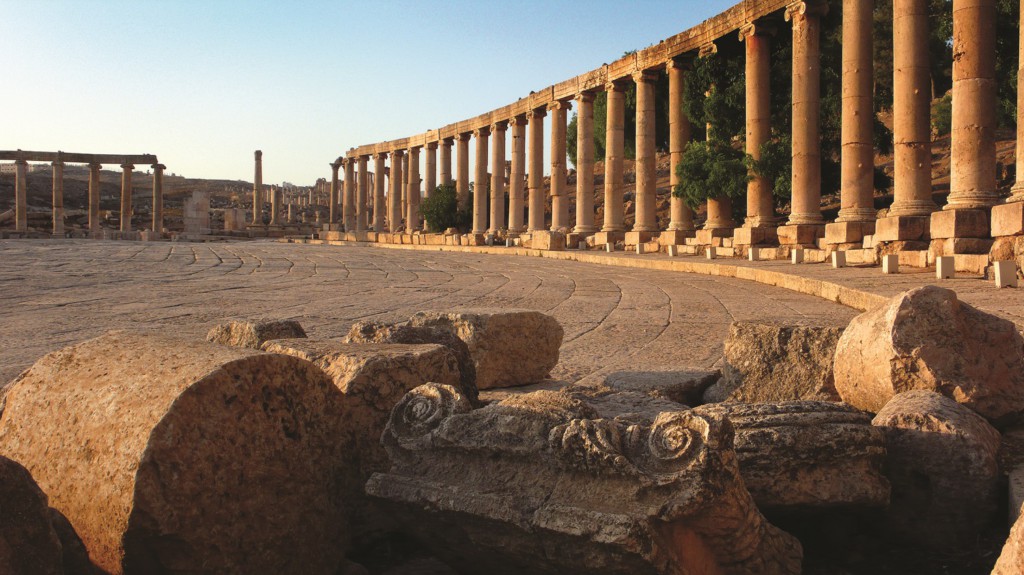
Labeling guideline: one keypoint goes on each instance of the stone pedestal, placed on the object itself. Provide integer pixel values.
(638, 237)
(760, 236)
(546, 240)
(603, 238)
(1008, 219)
(675, 237)
(805, 235)
(960, 232)
(902, 228)
(850, 232)
(709, 237)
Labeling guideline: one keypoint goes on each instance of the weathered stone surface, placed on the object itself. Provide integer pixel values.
(684, 386)
(767, 362)
(927, 339)
(1011, 560)
(173, 455)
(544, 486)
(808, 454)
(372, 379)
(253, 334)
(374, 332)
(942, 463)
(29, 545)
(508, 347)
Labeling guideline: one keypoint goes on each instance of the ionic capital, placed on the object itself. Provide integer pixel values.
(499, 126)
(536, 114)
(806, 9)
(683, 62)
(56, 163)
(559, 105)
(158, 167)
(707, 49)
(128, 166)
(615, 86)
(756, 29)
(380, 156)
(95, 166)
(259, 154)
(481, 132)
(518, 121)
(447, 142)
(584, 97)
(396, 154)
(464, 137)
(21, 162)
(431, 145)
(645, 76)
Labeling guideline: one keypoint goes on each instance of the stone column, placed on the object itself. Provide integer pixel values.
(614, 210)
(585, 164)
(275, 206)
(348, 198)
(58, 198)
(517, 175)
(1018, 186)
(257, 189)
(21, 196)
(405, 191)
(361, 191)
(760, 203)
(94, 198)
(681, 224)
(332, 205)
(646, 177)
(462, 161)
(446, 162)
(805, 224)
(536, 170)
(378, 191)
(430, 181)
(480, 183)
(559, 201)
(497, 220)
(158, 198)
(395, 193)
(126, 197)
(412, 195)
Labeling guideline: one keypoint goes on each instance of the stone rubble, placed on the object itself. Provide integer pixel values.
(253, 334)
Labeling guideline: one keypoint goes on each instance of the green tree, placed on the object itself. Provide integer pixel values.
(440, 210)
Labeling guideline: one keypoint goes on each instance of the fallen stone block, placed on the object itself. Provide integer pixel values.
(808, 454)
(253, 334)
(373, 332)
(508, 347)
(927, 339)
(544, 486)
(942, 463)
(372, 379)
(172, 455)
(768, 362)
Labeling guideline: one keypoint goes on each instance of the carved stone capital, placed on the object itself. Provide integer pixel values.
(500, 126)
(584, 97)
(158, 167)
(517, 121)
(559, 105)
(805, 9)
(128, 166)
(464, 137)
(645, 76)
(536, 114)
(397, 154)
(683, 62)
(431, 145)
(615, 86)
(481, 132)
(708, 49)
(756, 29)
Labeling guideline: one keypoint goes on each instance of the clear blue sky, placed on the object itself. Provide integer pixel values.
(203, 83)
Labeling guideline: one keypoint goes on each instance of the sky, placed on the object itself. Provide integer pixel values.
(204, 83)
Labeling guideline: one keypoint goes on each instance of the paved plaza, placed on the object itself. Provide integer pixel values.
(616, 319)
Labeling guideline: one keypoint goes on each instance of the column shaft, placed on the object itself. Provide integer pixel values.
(405, 190)
(858, 155)
(972, 183)
(257, 189)
(378, 192)
(158, 198)
(614, 210)
(912, 148)
(94, 198)
(1018, 186)
(559, 201)
(536, 168)
(719, 214)
(348, 199)
(462, 161)
(363, 180)
(58, 198)
(585, 164)
(646, 177)
(332, 206)
(21, 196)
(412, 195)
(497, 219)
(430, 178)
(518, 175)
(679, 134)
(806, 181)
(760, 204)
(275, 206)
(446, 162)
(395, 193)
(126, 197)
(480, 181)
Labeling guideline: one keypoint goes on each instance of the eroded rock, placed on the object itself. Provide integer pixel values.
(253, 334)
(545, 486)
(942, 463)
(768, 362)
(508, 347)
(927, 339)
(374, 332)
(1011, 560)
(808, 454)
(171, 455)
(29, 544)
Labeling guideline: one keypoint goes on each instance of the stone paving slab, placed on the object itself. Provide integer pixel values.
(616, 319)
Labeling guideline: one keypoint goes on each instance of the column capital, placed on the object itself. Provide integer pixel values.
(806, 8)
(335, 165)
(499, 126)
(536, 114)
(158, 167)
(756, 29)
(431, 145)
(645, 76)
(463, 137)
(584, 97)
(414, 151)
(482, 131)
(380, 156)
(615, 85)
(95, 165)
(707, 49)
(560, 105)
(448, 141)
(520, 120)
(56, 163)
(259, 154)
(682, 62)
(128, 166)
(397, 153)
(21, 162)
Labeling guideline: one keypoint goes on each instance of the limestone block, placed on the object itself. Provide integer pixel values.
(800, 235)
(951, 246)
(838, 259)
(891, 264)
(675, 237)
(848, 232)
(373, 377)
(927, 339)
(959, 224)
(508, 347)
(606, 238)
(901, 228)
(544, 486)
(1005, 274)
(1008, 219)
(545, 240)
(944, 268)
(253, 334)
(712, 237)
(1011, 560)
(770, 362)
(29, 543)
(942, 465)
(672, 250)
(172, 455)
(636, 238)
(754, 236)
(808, 454)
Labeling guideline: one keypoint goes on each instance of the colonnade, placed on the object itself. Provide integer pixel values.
(95, 162)
(913, 216)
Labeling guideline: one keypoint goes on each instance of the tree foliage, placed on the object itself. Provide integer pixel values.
(440, 210)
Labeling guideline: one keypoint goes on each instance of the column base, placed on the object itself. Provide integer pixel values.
(960, 224)
(1008, 219)
(848, 232)
(755, 236)
(806, 235)
(902, 228)
(602, 238)
(675, 237)
(638, 237)
(713, 237)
